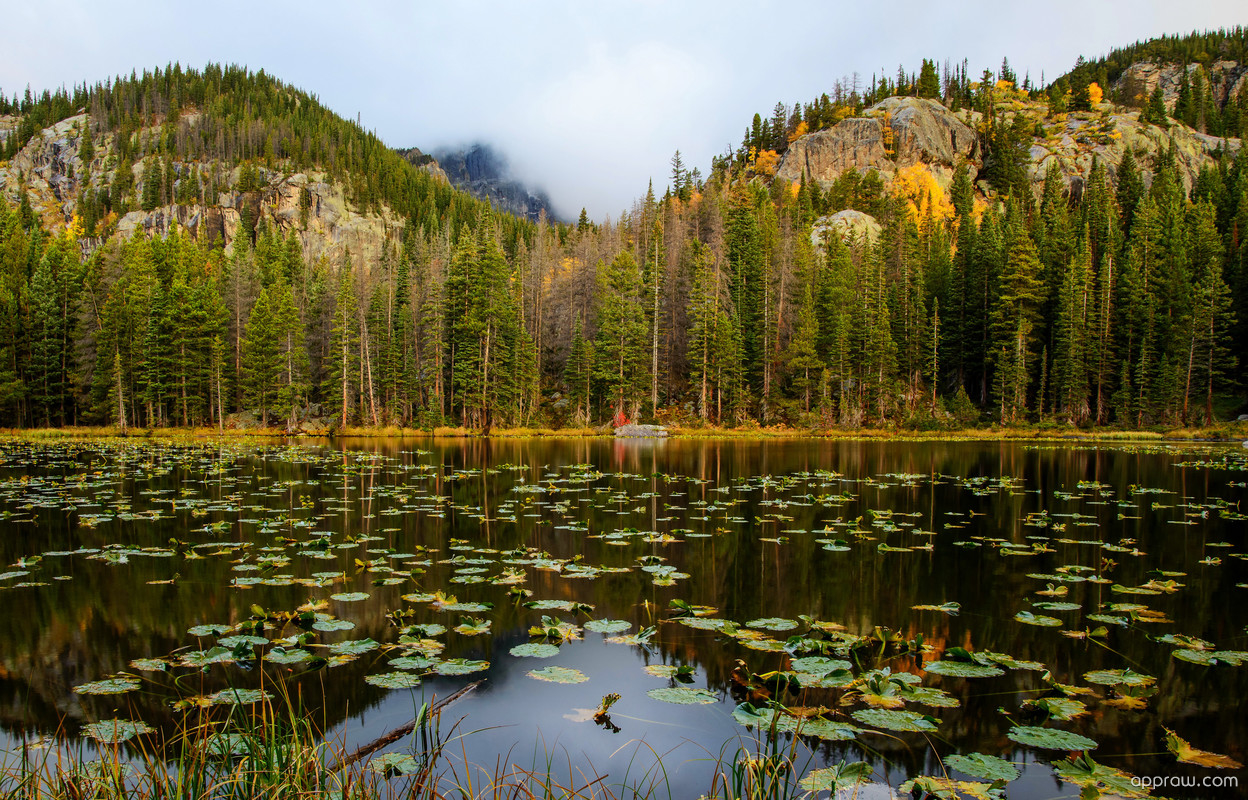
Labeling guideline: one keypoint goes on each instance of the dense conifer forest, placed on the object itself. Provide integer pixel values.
(981, 302)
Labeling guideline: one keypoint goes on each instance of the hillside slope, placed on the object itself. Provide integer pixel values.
(219, 151)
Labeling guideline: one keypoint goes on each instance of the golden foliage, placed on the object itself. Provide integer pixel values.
(766, 163)
(801, 130)
(924, 197)
(73, 230)
(1095, 94)
(1005, 86)
(1190, 755)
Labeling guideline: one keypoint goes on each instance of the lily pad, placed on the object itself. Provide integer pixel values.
(1187, 754)
(460, 666)
(349, 597)
(412, 662)
(818, 664)
(1063, 708)
(115, 731)
(280, 655)
(551, 605)
(683, 696)
(962, 669)
(1029, 618)
(558, 675)
(353, 648)
(209, 630)
(837, 778)
(1054, 605)
(930, 696)
(389, 764)
(947, 788)
(1081, 770)
(1118, 677)
(111, 686)
(1049, 738)
(896, 720)
(393, 680)
(203, 658)
(980, 765)
(535, 650)
(240, 697)
(608, 625)
(772, 624)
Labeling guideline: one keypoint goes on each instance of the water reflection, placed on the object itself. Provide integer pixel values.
(230, 526)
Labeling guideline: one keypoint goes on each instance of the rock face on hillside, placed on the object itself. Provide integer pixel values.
(918, 130)
(1073, 144)
(1137, 82)
(51, 170)
(924, 131)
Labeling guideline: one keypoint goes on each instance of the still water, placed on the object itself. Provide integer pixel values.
(1078, 566)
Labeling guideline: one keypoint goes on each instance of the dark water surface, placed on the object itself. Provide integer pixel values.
(139, 542)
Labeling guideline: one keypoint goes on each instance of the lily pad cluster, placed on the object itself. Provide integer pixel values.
(408, 566)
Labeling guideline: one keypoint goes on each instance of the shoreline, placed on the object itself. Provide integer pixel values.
(1223, 433)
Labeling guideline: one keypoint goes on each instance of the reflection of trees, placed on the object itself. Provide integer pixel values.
(93, 625)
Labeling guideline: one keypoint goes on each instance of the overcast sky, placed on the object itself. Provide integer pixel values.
(587, 99)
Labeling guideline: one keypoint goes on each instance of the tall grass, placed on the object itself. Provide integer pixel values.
(275, 751)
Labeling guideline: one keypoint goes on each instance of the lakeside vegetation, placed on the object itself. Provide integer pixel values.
(979, 303)
(1221, 432)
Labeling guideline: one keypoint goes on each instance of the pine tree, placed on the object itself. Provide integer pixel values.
(1157, 109)
(343, 347)
(619, 346)
(1013, 318)
(1130, 189)
(802, 356)
(292, 357)
(1074, 324)
(578, 374)
(747, 269)
(261, 360)
(929, 82)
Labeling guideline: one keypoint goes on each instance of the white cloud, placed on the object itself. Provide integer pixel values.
(587, 99)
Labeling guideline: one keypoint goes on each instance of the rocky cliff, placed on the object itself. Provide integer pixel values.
(896, 132)
(50, 169)
(1137, 82)
(901, 131)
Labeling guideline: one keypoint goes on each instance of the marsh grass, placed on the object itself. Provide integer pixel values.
(274, 751)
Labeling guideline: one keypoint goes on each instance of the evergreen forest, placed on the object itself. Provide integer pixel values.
(720, 300)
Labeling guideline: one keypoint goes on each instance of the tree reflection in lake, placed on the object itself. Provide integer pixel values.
(377, 572)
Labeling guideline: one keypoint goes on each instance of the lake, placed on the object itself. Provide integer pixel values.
(1016, 600)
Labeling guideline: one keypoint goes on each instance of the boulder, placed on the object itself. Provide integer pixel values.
(641, 432)
(845, 223)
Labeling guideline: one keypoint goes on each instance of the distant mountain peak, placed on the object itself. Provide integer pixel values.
(483, 171)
